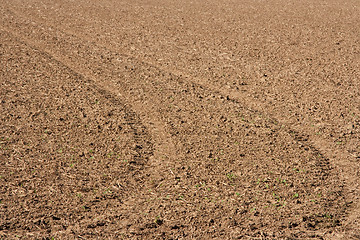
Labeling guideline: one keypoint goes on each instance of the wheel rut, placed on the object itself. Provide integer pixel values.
(342, 159)
(118, 75)
(162, 141)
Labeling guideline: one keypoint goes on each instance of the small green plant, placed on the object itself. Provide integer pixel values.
(230, 176)
(276, 197)
(296, 195)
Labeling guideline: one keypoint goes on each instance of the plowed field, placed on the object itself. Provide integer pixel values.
(229, 119)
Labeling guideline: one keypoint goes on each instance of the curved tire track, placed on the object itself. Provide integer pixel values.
(160, 133)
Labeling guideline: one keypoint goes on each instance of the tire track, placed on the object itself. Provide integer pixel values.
(344, 161)
(127, 123)
(160, 132)
(162, 141)
(338, 157)
(144, 147)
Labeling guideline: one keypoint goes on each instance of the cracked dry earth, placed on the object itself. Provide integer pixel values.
(229, 119)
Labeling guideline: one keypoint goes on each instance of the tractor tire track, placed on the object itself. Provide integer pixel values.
(154, 114)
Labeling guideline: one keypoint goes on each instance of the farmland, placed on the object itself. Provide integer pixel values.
(229, 119)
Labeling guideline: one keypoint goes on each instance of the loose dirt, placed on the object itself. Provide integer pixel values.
(179, 120)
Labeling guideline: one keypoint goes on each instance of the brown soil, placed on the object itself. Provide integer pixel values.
(179, 119)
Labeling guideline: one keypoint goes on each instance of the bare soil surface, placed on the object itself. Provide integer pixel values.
(179, 119)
